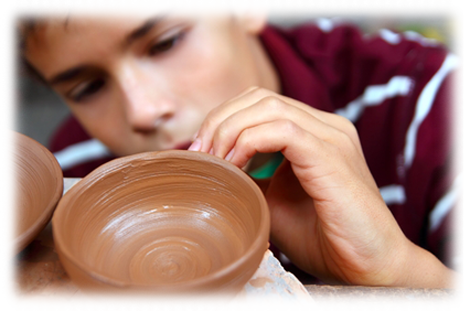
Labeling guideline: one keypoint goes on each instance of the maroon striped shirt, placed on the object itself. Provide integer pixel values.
(396, 89)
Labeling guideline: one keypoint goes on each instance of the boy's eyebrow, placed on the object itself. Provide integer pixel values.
(151, 22)
(144, 29)
(67, 75)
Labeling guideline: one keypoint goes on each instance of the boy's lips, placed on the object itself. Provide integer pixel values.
(183, 146)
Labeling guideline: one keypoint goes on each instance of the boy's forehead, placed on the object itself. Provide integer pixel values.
(66, 10)
(101, 25)
(88, 10)
(109, 16)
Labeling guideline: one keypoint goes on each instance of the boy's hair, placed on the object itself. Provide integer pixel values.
(17, 18)
(23, 13)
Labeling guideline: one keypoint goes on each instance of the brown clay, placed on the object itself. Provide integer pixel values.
(38, 188)
(169, 221)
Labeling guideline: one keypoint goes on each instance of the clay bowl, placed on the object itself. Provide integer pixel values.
(38, 188)
(171, 221)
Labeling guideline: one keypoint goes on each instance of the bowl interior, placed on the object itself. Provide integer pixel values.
(160, 218)
(38, 188)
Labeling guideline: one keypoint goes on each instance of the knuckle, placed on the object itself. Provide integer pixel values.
(259, 92)
(346, 125)
(244, 139)
(211, 114)
(211, 120)
(222, 132)
(251, 89)
(206, 129)
(348, 128)
(272, 103)
(289, 127)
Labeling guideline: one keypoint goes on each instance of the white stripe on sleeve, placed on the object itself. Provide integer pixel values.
(328, 24)
(393, 194)
(424, 105)
(325, 24)
(80, 153)
(414, 36)
(374, 95)
(390, 36)
(395, 38)
(444, 205)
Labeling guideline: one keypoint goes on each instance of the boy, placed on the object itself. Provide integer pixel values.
(214, 85)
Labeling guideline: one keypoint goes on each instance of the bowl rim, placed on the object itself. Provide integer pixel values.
(260, 242)
(22, 241)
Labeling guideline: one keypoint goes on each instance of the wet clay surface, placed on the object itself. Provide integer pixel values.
(38, 272)
(38, 188)
(168, 220)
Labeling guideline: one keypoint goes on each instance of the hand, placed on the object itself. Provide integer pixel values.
(327, 214)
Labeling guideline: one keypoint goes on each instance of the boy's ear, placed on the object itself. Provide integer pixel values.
(253, 13)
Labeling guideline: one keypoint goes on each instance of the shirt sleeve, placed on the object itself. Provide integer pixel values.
(77, 153)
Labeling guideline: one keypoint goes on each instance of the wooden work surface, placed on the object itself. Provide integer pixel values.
(327, 297)
(39, 271)
(35, 280)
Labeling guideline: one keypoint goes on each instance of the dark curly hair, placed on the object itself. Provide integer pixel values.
(17, 18)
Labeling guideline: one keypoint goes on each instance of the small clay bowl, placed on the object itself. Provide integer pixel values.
(170, 221)
(38, 188)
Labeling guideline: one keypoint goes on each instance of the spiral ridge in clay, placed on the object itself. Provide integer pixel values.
(163, 220)
(38, 188)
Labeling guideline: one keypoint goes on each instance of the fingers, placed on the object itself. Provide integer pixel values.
(203, 138)
(315, 163)
(266, 110)
(254, 107)
(277, 135)
(247, 98)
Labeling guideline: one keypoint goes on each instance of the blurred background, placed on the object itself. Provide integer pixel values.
(32, 109)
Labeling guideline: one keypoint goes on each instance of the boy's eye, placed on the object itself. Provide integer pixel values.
(86, 89)
(165, 45)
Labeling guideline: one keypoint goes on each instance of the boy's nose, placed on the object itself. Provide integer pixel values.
(145, 115)
(146, 108)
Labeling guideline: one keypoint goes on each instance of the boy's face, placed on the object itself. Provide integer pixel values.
(146, 84)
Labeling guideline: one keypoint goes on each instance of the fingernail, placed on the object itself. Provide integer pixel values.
(211, 151)
(196, 145)
(229, 156)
